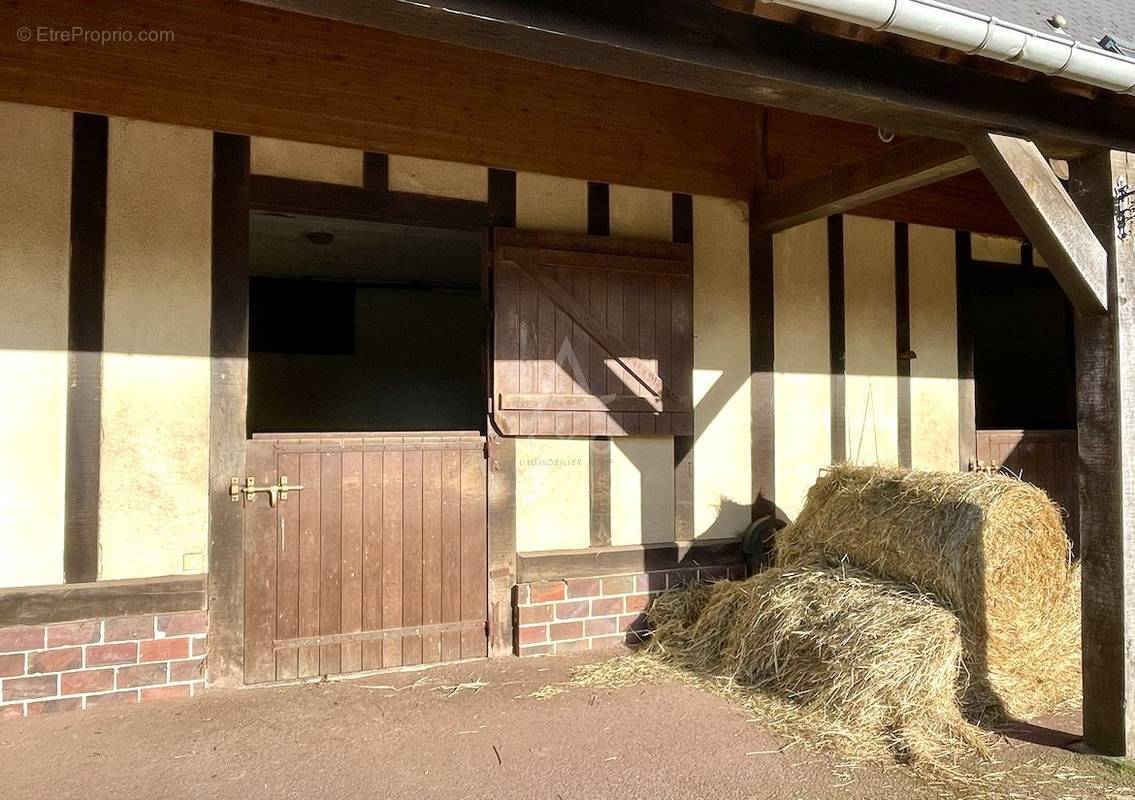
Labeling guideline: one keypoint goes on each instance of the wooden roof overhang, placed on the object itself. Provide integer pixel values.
(698, 46)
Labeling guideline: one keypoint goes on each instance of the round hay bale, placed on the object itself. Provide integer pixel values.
(992, 547)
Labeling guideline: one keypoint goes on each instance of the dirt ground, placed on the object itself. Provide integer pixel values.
(461, 731)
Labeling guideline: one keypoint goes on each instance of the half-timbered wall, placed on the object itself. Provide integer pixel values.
(839, 391)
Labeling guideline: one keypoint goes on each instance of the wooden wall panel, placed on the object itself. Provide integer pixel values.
(249, 69)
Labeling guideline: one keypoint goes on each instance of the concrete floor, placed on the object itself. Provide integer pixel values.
(437, 735)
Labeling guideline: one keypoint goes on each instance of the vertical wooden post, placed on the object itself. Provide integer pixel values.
(1105, 367)
(227, 406)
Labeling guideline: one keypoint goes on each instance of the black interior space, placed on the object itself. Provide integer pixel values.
(362, 326)
(1024, 350)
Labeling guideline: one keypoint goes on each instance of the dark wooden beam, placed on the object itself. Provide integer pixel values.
(967, 395)
(911, 165)
(42, 605)
(1039, 202)
(84, 345)
(903, 352)
(290, 196)
(228, 402)
(690, 44)
(682, 232)
(837, 339)
(1105, 397)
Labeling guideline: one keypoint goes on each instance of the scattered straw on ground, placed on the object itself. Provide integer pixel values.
(992, 547)
(973, 777)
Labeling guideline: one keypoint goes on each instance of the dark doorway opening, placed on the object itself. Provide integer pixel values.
(1024, 350)
(363, 326)
(1025, 381)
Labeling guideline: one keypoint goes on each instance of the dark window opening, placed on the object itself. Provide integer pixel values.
(1024, 350)
(360, 326)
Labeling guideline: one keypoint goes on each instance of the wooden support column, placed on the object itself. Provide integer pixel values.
(1105, 367)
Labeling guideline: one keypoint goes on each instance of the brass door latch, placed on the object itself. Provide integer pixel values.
(250, 489)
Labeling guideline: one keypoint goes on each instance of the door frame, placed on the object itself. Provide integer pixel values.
(236, 193)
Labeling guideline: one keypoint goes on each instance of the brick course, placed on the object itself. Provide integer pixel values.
(73, 665)
(596, 613)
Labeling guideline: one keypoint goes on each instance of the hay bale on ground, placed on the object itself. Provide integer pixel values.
(872, 667)
(992, 547)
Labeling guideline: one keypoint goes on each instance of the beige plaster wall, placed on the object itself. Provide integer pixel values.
(548, 203)
(308, 162)
(642, 467)
(933, 336)
(553, 506)
(439, 178)
(802, 393)
(872, 382)
(642, 489)
(153, 510)
(723, 479)
(35, 192)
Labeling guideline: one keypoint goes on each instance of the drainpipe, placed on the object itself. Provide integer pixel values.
(980, 34)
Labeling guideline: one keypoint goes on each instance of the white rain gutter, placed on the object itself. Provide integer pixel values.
(980, 34)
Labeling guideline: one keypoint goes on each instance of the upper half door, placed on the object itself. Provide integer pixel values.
(379, 560)
(592, 336)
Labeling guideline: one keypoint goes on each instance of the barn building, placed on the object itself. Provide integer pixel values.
(339, 337)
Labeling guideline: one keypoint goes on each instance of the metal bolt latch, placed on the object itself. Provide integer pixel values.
(250, 489)
(1124, 209)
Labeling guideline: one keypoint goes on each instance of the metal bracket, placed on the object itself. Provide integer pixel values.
(1124, 208)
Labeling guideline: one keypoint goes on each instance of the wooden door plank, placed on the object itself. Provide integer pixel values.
(648, 352)
(597, 369)
(546, 347)
(331, 559)
(412, 554)
(431, 553)
(474, 553)
(288, 571)
(309, 502)
(617, 379)
(392, 554)
(451, 551)
(581, 347)
(260, 569)
(528, 303)
(351, 600)
(372, 556)
(631, 333)
(506, 335)
(662, 344)
(563, 342)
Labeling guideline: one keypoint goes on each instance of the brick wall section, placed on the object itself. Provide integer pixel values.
(594, 613)
(72, 665)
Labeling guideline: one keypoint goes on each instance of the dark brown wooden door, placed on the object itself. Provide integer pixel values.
(379, 561)
(1048, 459)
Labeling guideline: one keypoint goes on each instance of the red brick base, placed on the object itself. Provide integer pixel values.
(593, 613)
(73, 665)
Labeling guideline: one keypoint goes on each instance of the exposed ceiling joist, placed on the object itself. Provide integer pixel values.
(910, 165)
(1048, 215)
